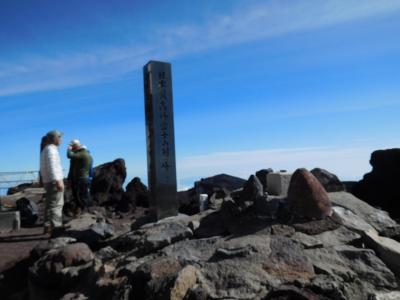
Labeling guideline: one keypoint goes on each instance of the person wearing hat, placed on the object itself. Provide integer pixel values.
(78, 176)
(53, 181)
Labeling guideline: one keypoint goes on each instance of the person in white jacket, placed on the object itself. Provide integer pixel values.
(53, 181)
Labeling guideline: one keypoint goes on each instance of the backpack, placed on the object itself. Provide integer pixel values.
(28, 211)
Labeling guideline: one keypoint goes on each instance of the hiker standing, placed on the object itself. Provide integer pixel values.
(53, 181)
(43, 144)
(79, 175)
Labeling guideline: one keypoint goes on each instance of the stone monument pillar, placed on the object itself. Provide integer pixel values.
(161, 166)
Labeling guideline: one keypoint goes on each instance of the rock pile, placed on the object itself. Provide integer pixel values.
(251, 246)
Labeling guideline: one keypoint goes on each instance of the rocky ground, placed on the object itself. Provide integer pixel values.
(309, 244)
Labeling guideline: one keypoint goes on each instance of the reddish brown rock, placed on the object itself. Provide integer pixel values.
(307, 197)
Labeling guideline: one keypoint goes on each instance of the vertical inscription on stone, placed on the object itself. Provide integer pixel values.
(160, 139)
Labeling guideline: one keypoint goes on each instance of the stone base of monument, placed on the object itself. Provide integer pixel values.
(278, 183)
(10, 220)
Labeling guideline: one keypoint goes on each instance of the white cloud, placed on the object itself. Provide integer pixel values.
(246, 23)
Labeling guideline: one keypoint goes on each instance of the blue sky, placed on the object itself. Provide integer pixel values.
(257, 84)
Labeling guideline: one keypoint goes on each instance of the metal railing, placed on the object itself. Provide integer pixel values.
(12, 179)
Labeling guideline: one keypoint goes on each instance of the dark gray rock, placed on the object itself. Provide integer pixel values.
(107, 185)
(262, 177)
(192, 251)
(329, 181)
(319, 226)
(287, 291)
(351, 220)
(154, 279)
(88, 229)
(252, 190)
(380, 187)
(42, 248)
(307, 241)
(151, 238)
(249, 267)
(340, 236)
(220, 222)
(388, 250)
(136, 194)
(267, 207)
(377, 218)
(62, 270)
(360, 269)
(139, 191)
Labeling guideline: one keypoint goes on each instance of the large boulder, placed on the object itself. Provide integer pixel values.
(329, 181)
(249, 267)
(380, 187)
(252, 190)
(136, 194)
(108, 180)
(387, 249)
(356, 273)
(307, 197)
(377, 218)
(262, 176)
(139, 191)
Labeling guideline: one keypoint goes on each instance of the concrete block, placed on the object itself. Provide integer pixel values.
(10, 220)
(278, 183)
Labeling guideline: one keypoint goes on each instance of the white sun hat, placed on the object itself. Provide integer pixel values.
(75, 143)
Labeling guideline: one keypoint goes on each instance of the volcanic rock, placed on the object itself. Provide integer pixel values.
(139, 191)
(307, 197)
(387, 249)
(154, 279)
(380, 187)
(89, 229)
(262, 177)
(151, 237)
(228, 252)
(61, 270)
(377, 218)
(329, 181)
(252, 190)
(346, 265)
(107, 182)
